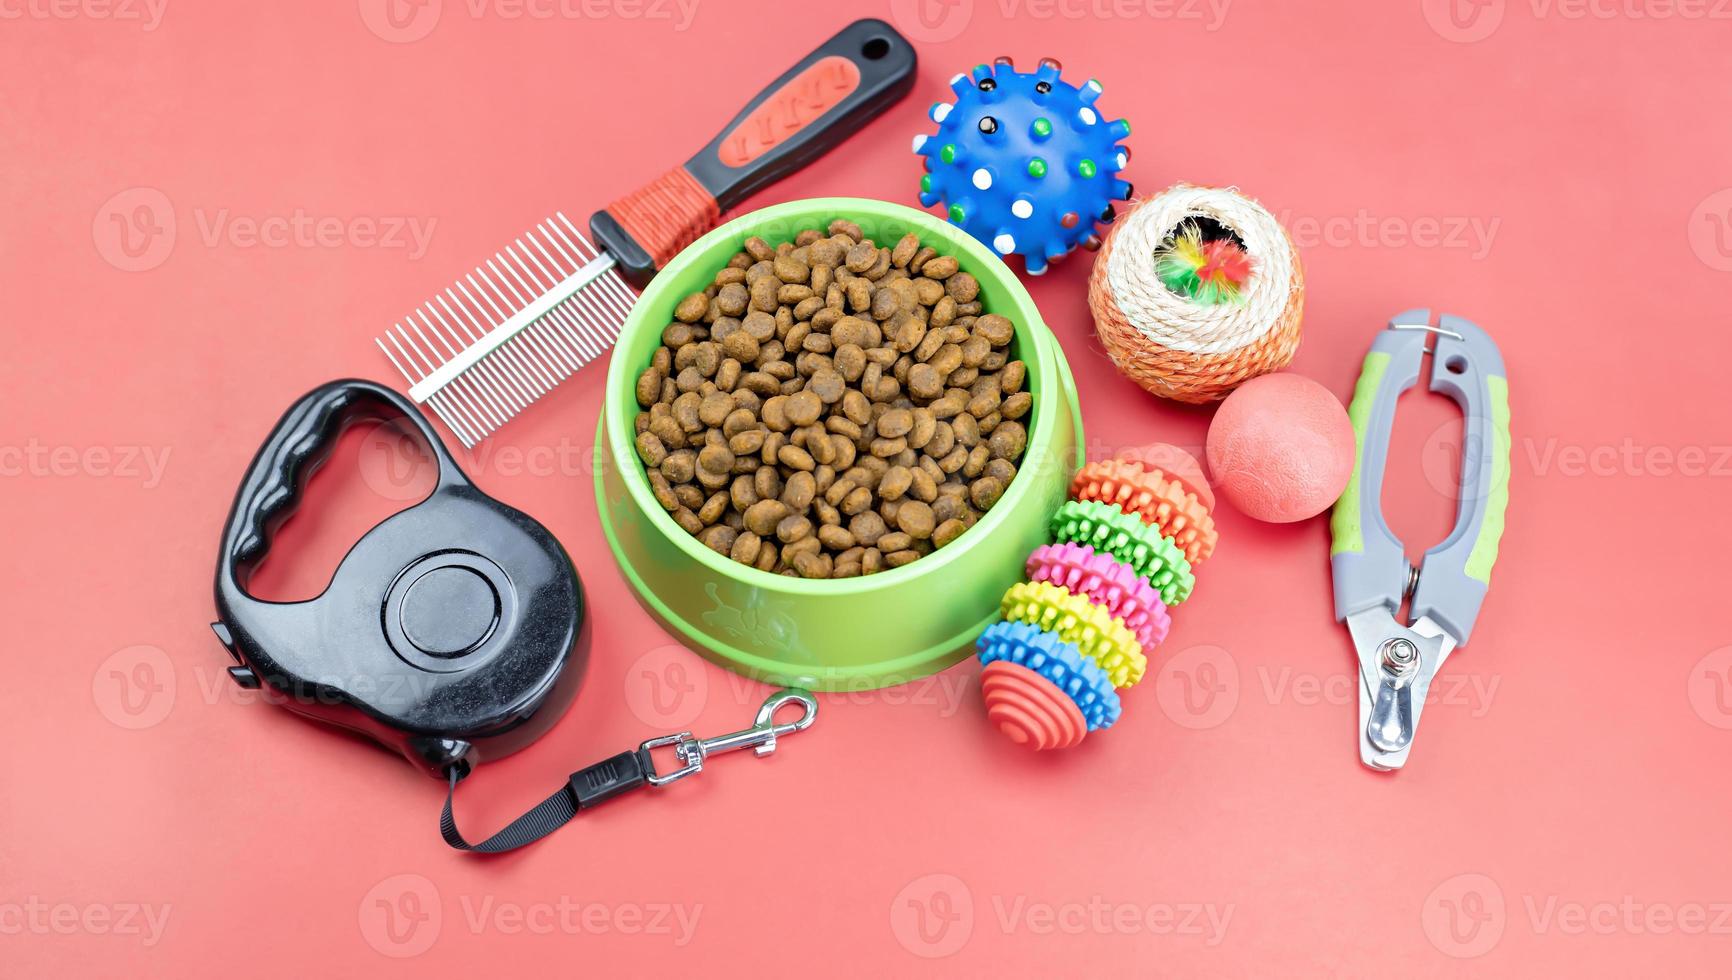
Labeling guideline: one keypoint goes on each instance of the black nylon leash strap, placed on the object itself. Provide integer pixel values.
(629, 770)
(586, 788)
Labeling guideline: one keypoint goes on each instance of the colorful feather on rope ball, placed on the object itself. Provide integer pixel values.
(1176, 345)
(1211, 272)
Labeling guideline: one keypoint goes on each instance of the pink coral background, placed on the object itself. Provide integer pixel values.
(1556, 170)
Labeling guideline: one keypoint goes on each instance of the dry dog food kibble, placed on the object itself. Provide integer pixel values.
(831, 407)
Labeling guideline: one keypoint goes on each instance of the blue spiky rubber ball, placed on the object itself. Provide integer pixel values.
(1024, 162)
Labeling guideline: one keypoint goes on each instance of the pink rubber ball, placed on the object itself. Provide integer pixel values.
(1281, 448)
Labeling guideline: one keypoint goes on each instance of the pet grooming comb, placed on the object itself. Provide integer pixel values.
(551, 302)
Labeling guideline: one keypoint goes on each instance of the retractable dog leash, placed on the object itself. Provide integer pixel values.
(453, 633)
(1372, 574)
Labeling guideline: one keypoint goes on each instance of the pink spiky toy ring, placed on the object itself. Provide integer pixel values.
(1097, 599)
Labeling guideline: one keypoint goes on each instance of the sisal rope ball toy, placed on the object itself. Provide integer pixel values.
(1196, 290)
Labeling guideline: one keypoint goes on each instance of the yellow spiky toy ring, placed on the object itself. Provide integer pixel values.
(1077, 621)
(1084, 628)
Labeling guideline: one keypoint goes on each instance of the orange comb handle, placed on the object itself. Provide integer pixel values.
(811, 108)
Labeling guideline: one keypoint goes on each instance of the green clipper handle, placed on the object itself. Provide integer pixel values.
(1366, 558)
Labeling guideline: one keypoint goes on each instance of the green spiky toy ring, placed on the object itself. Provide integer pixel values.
(1109, 530)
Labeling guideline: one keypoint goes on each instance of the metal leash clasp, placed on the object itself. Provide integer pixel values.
(761, 737)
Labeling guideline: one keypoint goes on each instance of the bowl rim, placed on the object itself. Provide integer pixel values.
(621, 380)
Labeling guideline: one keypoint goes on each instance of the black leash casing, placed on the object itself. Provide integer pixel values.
(454, 632)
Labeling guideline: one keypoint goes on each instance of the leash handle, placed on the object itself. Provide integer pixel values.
(301, 442)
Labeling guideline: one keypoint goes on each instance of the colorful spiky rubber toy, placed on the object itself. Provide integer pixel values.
(1024, 162)
(1097, 600)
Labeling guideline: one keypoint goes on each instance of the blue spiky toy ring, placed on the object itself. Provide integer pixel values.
(1024, 162)
(1059, 662)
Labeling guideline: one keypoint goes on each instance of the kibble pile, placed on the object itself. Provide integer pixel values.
(831, 407)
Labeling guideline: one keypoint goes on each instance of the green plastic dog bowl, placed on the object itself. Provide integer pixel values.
(840, 634)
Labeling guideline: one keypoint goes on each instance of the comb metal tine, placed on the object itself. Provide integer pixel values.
(610, 318)
(607, 320)
(512, 329)
(454, 411)
(540, 382)
(553, 348)
(508, 367)
(457, 416)
(481, 378)
(464, 387)
(557, 318)
(595, 321)
(515, 267)
(617, 285)
(464, 391)
(404, 336)
(486, 323)
(606, 313)
(444, 414)
(586, 347)
(424, 363)
(440, 408)
(578, 316)
(522, 344)
(394, 362)
(459, 407)
(529, 336)
(544, 381)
